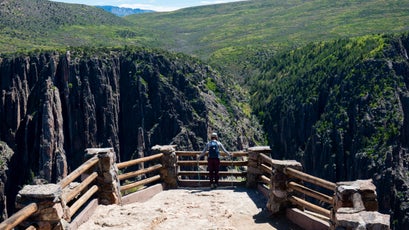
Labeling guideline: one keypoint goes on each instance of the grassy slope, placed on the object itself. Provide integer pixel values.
(224, 29)
(222, 32)
(28, 24)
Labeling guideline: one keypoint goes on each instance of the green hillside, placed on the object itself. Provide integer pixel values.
(219, 30)
(28, 24)
(226, 33)
(330, 77)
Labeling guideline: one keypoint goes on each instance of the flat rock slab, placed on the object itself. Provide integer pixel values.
(222, 208)
(41, 191)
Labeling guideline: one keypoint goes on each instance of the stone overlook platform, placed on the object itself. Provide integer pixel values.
(169, 189)
(232, 208)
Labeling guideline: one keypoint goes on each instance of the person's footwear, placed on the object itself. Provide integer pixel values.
(212, 186)
(215, 185)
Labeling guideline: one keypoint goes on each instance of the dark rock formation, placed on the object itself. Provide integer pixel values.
(5, 155)
(54, 106)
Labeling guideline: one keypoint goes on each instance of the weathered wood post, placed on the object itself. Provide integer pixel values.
(107, 180)
(253, 168)
(50, 213)
(169, 162)
(356, 207)
(278, 193)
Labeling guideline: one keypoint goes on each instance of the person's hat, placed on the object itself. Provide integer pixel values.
(214, 135)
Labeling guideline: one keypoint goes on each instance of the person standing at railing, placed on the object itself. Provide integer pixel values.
(213, 159)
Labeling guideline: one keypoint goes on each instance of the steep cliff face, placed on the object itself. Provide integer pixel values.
(54, 106)
(341, 108)
(365, 136)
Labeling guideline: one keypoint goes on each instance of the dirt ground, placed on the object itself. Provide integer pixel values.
(198, 208)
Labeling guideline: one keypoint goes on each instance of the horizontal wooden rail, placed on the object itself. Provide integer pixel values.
(203, 181)
(266, 169)
(19, 217)
(187, 153)
(266, 159)
(139, 183)
(311, 179)
(77, 172)
(265, 180)
(195, 153)
(239, 154)
(70, 195)
(82, 200)
(138, 161)
(222, 163)
(312, 193)
(139, 172)
(200, 183)
(221, 173)
(307, 205)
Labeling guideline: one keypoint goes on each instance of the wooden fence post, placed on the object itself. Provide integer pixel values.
(278, 192)
(107, 180)
(356, 207)
(50, 213)
(253, 168)
(169, 162)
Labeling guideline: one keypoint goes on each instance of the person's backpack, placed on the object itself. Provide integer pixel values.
(213, 149)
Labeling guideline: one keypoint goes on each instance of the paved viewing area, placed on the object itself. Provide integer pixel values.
(196, 208)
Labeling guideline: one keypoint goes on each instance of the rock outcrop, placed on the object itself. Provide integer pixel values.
(53, 106)
(5, 156)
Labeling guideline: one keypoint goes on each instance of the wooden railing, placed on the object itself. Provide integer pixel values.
(266, 168)
(19, 217)
(140, 172)
(305, 191)
(192, 172)
(70, 195)
(282, 182)
(67, 196)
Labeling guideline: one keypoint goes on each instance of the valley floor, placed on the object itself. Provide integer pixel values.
(198, 208)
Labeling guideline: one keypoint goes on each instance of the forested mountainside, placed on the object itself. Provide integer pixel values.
(54, 106)
(234, 34)
(40, 16)
(26, 25)
(342, 108)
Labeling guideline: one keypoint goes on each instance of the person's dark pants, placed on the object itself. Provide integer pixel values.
(213, 165)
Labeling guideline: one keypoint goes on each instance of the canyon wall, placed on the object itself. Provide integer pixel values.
(53, 106)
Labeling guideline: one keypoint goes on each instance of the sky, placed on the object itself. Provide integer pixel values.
(156, 5)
